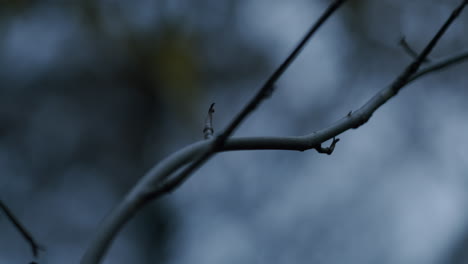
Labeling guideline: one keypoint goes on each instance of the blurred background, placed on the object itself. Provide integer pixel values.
(94, 93)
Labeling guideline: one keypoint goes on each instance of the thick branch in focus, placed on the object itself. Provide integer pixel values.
(155, 183)
(265, 92)
(104, 238)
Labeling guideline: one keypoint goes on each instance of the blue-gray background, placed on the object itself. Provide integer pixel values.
(93, 93)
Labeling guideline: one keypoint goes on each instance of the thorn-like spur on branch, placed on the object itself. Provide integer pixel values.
(328, 150)
(410, 51)
(208, 130)
(35, 247)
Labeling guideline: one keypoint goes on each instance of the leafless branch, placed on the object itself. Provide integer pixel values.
(24, 232)
(156, 183)
(364, 113)
(208, 129)
(98, 248)
(405, 77)
(262, 94)
(410, 51)
(441, 65)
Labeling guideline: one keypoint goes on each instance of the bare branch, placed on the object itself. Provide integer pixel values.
(362, 115)
(441, 65)
(155, 184)
(208, 130)
(404, 78)
(24, 232)
(410, 51)
(262, 94)
(99, 246)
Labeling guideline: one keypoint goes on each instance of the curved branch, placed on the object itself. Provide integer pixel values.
(363, 114)
(140, 194)
(155, 183)
(263, 93)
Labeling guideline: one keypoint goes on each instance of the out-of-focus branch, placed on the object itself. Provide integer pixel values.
(24, 232)
(155, 184)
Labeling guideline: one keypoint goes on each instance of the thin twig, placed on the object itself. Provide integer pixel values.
(404, 78)
(261, 95)
(151, 190)
(442, 64)
(150, 185)
(208, 129)
(410, 51)
(362, 114)
(35, 247)
(137, 197)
